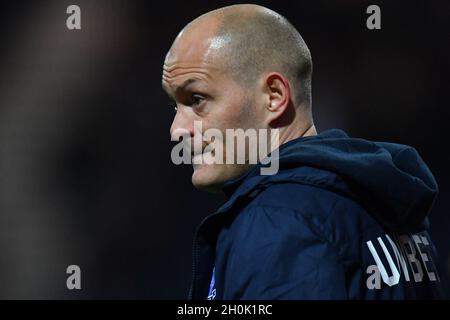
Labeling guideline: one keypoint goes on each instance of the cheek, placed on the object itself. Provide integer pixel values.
(236, 114)
(225, 117)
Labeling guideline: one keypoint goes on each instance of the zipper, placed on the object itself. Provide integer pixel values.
(194, 262)
(195, 250)
(195, 256)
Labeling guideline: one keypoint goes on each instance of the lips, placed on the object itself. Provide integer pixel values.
(193, 151)
(200, 158)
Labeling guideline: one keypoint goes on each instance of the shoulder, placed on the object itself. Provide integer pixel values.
(302, 209)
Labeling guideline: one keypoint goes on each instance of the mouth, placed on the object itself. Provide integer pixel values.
(196, 155)
(197, 158)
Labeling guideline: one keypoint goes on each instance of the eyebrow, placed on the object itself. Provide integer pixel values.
(182, 87)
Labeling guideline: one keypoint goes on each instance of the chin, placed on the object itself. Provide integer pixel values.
(209, 178)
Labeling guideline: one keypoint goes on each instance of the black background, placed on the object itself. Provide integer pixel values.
(85, 170)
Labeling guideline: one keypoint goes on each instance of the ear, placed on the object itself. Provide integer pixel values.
(278, 96)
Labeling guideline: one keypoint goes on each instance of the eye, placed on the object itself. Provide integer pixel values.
(197, 99)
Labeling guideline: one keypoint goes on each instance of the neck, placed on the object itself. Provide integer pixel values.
(291, 132)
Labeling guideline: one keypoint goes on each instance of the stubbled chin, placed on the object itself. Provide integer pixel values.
(203, 179)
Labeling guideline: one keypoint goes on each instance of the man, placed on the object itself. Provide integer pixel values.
(342, 218)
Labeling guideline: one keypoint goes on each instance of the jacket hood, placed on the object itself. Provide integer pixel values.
(391, 181)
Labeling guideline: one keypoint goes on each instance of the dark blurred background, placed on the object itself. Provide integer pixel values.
(85, 170)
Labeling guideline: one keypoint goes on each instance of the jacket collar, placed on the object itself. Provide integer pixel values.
(251, 182)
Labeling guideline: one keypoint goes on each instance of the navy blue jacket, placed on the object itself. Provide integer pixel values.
(343, 218)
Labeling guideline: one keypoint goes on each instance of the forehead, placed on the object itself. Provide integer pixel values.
(195, 57)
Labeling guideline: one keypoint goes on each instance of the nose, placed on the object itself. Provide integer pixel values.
(182, 124)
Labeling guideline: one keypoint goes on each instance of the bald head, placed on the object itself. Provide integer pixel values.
(239, 67)
(248, 40)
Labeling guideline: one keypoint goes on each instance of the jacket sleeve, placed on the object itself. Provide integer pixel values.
(279, 254)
